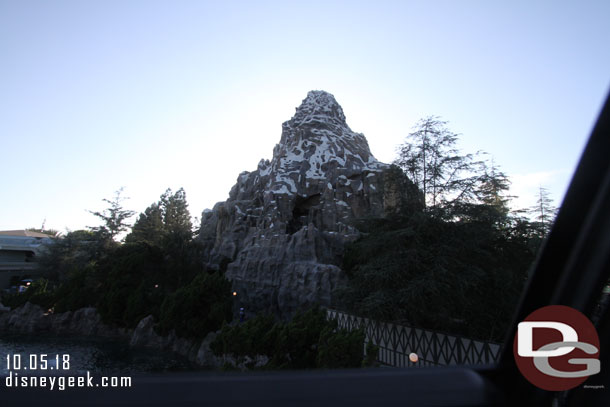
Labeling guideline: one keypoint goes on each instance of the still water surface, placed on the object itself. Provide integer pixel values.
(89, 354)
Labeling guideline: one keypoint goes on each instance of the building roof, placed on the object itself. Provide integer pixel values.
(24, 233)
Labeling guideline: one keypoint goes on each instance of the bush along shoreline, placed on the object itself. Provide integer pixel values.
(308, 341)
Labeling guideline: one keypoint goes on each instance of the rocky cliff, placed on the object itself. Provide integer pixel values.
(282, 231)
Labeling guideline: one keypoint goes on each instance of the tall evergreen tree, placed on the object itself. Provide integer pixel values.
(176, 216)
(167, 218)
(544, 211)
(431, 160)
(114, 218)
(149, 226)
(494, 186)
(493, 194)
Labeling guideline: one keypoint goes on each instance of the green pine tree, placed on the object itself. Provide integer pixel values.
(169, 218)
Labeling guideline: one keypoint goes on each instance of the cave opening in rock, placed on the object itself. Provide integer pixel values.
(300, 212)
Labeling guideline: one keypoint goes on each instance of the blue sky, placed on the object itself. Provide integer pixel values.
(148, 95)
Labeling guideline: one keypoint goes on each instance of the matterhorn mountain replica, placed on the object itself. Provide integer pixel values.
(281, 234)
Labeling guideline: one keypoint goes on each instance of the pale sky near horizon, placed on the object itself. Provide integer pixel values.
(149, 95)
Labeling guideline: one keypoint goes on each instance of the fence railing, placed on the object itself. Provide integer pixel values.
(397, 342)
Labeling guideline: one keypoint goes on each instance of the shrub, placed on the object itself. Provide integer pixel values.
(77, 291)
(372, 351)
(340, 348)
(38, 293)
(145, 300)
(308, 341)
(198, 308)
(297, 342)
(125, 281)
(253, 337)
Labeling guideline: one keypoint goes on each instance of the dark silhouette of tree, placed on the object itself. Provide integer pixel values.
(431, 160)
(492, 196)
(167, 218)
(544, 211)
(176, 216)
(114, 217)
(167, 225)
(149, 226)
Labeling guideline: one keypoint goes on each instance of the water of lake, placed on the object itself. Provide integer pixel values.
(88, 354)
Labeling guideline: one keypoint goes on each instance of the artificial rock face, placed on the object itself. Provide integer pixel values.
(282, 231)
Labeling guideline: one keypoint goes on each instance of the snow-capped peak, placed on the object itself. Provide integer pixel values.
(318, 106)
(317, 144)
